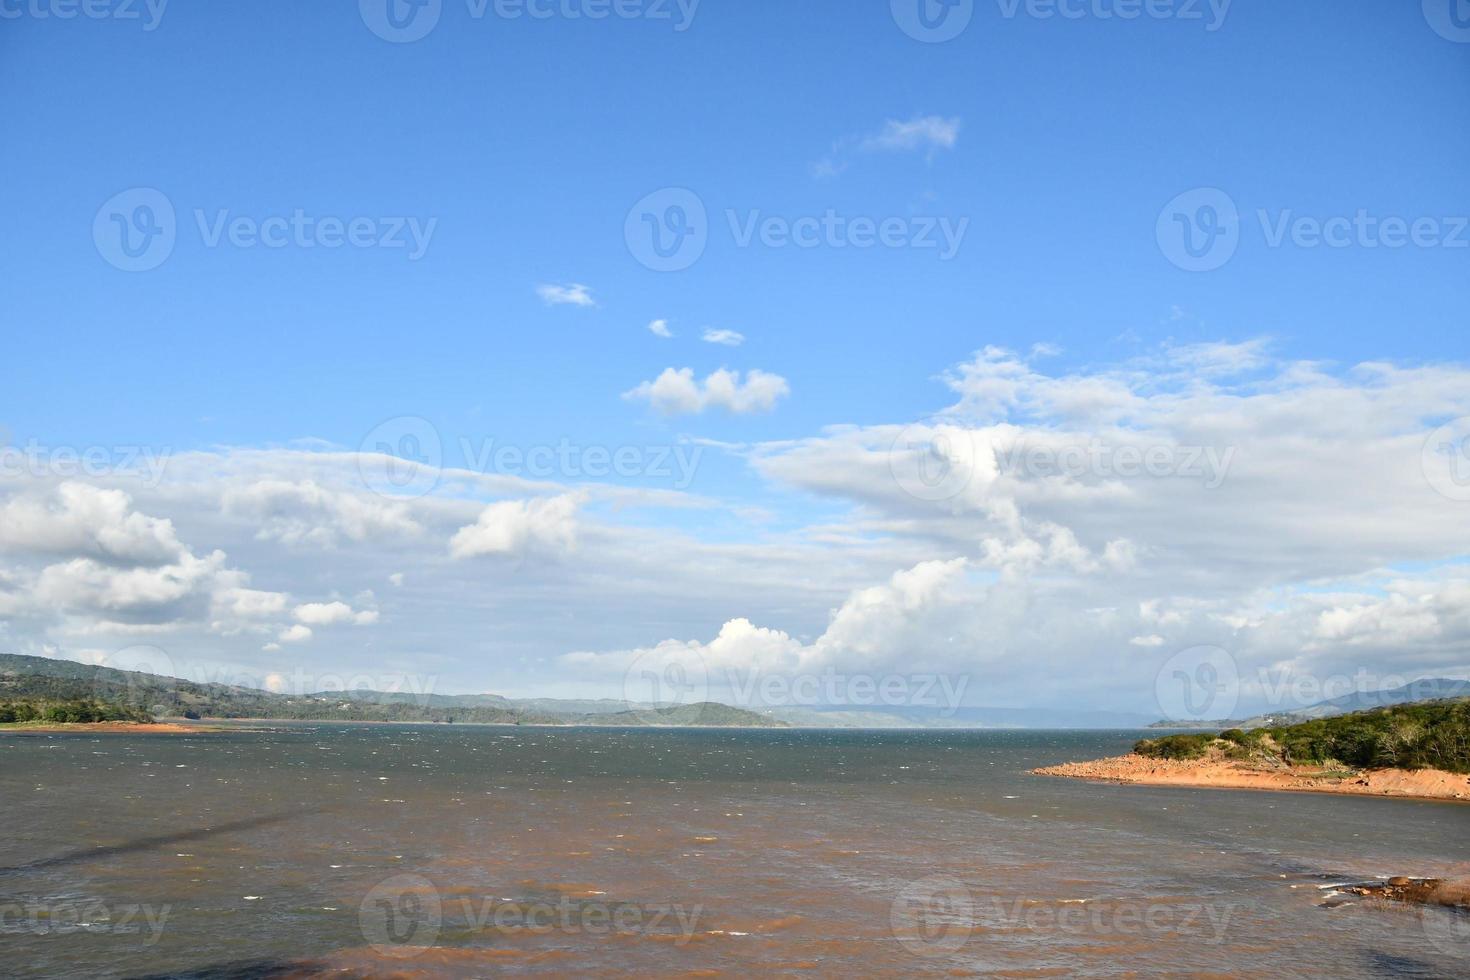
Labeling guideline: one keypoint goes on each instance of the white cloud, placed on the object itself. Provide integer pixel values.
(1294, 526)
(660, 328)
(919, 133)
(678, 392)
(727, 338)
(514, 527)
(332, 614)
(243, 603)
(930, 134)
(570, 294)
(876, 625)
(83, 519)
(306, 513)
(295, 634)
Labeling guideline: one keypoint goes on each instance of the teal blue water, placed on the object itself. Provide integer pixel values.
(310, 850)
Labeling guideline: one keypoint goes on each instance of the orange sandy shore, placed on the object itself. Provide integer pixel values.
(111, 727)
(1428, 784)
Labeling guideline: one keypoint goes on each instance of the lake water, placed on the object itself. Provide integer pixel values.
(453, 851)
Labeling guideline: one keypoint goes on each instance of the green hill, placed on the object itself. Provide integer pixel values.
(708, 713)
(1429, 735)
(40, 681)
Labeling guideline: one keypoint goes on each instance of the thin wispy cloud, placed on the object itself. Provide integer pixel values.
(928, 134)
(570, 294)
(660, 328)
(920, 133)
(725, 338)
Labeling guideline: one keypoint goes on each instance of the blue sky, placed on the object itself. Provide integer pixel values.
(1056, 141)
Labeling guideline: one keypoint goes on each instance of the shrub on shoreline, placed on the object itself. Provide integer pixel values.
(67, 712)
(1430, 735)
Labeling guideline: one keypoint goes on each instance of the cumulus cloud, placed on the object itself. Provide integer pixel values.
(678, 392)
(876, 625)
(514, 527)
(90, 520)
(570, 294)
(1061, 534)
(660, 328)
(331, 614)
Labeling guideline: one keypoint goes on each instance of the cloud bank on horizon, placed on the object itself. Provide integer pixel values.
(1052, 539)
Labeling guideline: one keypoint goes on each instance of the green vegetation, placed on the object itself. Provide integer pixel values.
(707, 713)
(1175, 746)
(132, 694)
(66, 712)
(1429, 735)
(1435, 735)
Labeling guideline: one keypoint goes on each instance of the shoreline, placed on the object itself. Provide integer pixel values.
(110, 728)
(1133, 769)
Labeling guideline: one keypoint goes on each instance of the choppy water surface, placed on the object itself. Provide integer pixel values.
(471, 851)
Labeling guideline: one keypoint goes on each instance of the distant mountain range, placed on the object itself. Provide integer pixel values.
(42, 679)
(1426, 689)
(936, 717)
